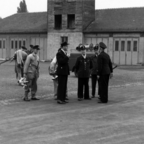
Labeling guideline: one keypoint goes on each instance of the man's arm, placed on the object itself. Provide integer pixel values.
(26, 65)
(110, 65)
(99, 61)
(77, 65)
(111, 68)
(62, 59)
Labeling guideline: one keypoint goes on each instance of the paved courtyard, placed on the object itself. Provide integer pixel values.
(121, 121)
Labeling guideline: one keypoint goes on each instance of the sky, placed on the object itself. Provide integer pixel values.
(9, 7)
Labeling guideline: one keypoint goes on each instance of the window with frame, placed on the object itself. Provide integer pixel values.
(16, 44)
(3, 44)
(24, 42)
(64, 39)
(122, 45)
(135, 45)
(58, 22)
(128, 45)
(20, 44)
(12, 44)
(116, 45)
(0, 44)
(71, 21)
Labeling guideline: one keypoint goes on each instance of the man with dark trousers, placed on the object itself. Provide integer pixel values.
(105, 72)
(62, 72)
(83, 66)
(94, 70)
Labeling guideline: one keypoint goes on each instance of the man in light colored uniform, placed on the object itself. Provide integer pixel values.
(31, 74)
(19, 57)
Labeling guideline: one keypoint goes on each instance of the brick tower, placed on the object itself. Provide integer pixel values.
(66, 21)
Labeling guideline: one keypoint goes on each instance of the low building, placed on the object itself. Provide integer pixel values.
(121, 29)
(23, 29)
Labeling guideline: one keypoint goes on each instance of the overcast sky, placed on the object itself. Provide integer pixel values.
(9, 7)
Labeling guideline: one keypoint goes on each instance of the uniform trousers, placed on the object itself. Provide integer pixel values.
(83, 85)
(31, 85)
(62, 87)
(94, 81)
(103, 83)
(55, 82)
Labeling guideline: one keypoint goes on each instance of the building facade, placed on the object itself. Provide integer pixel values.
(66, 21)
(76, 21)
(23, 29)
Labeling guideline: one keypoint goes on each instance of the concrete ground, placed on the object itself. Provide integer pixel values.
(121, 121)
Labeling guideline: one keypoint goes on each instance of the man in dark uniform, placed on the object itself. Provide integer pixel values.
(83, 66)
(105, 72)
(94, 70)
(62, 72)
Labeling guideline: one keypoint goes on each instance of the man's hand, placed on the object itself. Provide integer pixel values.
(68, 54)
(25, 76)
(111, 75)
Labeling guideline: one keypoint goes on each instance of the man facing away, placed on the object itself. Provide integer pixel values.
(94, 70)
(31, 74)
(105, 72)
(20, 57)
(30, 49)
(62, 72)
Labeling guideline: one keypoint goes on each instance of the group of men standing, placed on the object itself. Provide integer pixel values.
(99, 67)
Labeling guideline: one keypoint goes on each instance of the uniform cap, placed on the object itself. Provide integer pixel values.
(23, 47)
(64, 44)
(95, 47)
(31, 46)
(102, 45)
(82, 47)
(36, 47)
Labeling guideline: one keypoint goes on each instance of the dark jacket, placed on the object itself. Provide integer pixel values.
(104, 64)
(63, 66)
(83, 67)
(94, 65)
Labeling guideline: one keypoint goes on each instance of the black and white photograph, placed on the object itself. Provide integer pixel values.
(71, 71)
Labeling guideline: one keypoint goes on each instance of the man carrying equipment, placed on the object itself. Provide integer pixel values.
(31, 74)
(19, 57)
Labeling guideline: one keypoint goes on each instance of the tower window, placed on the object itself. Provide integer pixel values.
(58, 21)
(64, 39)
(71, 21)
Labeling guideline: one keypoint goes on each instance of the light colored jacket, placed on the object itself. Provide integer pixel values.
(32, 63)
(20, 56)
